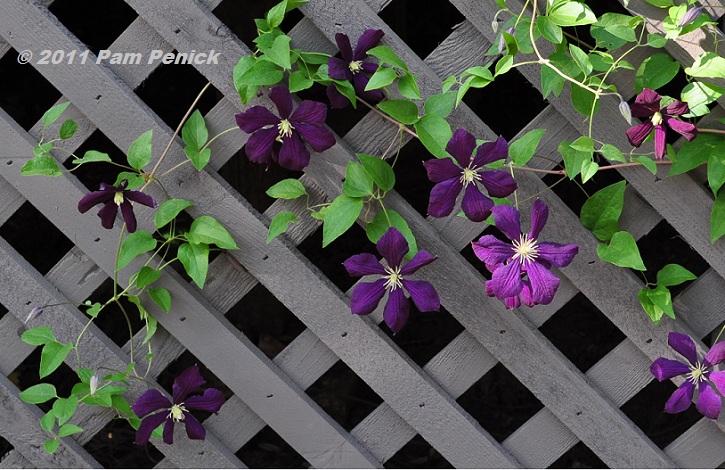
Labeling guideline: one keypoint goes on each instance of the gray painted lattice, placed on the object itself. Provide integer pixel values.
(577, 407)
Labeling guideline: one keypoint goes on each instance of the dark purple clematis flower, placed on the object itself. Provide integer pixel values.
(168, 413)
(114, 197)
(698, 374)
(352, 67)
(465, 172)
(366, 295)
(647, 105)
(521, 268)
(283, 138)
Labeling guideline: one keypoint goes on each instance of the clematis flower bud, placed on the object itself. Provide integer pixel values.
(94, 384)
(502, 40)
(625, 111)
(34, 313)
(689, 17)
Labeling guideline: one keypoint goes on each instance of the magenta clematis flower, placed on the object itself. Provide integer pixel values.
(647, 105)
(366, 295)
(114, 197)
(698, 374)
(352, 67)
(168, 413)
(521, 268)
(283, 138)
(465, 173)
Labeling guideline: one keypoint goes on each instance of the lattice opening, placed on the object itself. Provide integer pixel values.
(26, 375)
(113, 447)
(268, 450)
(582, 333)
(26, 93)
(579, 456)
(423, 32)
(344, 396)
(239, 18)
(35, 238)
(329, 259)
(575, 195)
(5, 448)
(646, 410)
(97, 24)
(470, 256)
(111, 319)
(93, 175)
(3, 311)
(499, 402)
(265, 321)
(170, 90)
(411, 179)
(417, 453)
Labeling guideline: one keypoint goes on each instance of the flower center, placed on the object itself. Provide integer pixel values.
(285, 129)
(177, 412)
(468, 176)
(657, 119)
(525, 249)
(118, 198)
(697, 373)
(355, 66)
(393, 279)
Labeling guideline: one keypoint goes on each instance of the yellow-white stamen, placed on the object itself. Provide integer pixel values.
(697, 373)
(177, 412)
(525, 249)
(285, 129)
(393, 279)
(657, 119)
(355, 66)
(118, 198)
(468, 176)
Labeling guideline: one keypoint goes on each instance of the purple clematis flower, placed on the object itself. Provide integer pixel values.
(168, 413)
(283, 138)
(114, 197)
(647, 104)
(698, 374)
(352, 67)
(464, 173)
(521, 268)
(366, 295)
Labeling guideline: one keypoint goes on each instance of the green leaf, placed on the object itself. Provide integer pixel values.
(85, 375)
(581, 58)
(448, 83)
(656, 41)
(571, 14)
(612, 153)
(696, 152)
(647, 163)
(655, 72)
(134, 244)
(120, 404)
(408, 86)
(260, 73)
(381, 78)
(275, 15)
(379, 225)
(198, 159)
(51, 445)
(38, 336)
(614, 30)
(195, 258)
(133, 180)
(441, 104)
(92, 156)
(654, 312)
(38, 394)
(94, 310)
(379, 170)
(522, 149)
(552, 32)
(279, 52)
(43, 165)
(52, 356)
(589, 169)
(51, 115)
(573, 158)
(67, 129)
(583, 100)
(717, 218)
(401, 110)
(622, 251)
(68, 430)
(194, 132)
(698, 95)
(289, 188)
(299, 81)
(584, 144)
(716, 172)
(707, 65)
(503, 65)
(47, 422)
(147, 276)
(358, 182)
(674, 274)
(42, 149)
(551, 82)
(169, 210)
(340, 215)
(660, 3)
(162, 297)
(139, 154)
(280, 224)
(661, 297)
(64, 408)
(246, 92)
(434, 133)
(207, 230)
(152, 325)
(388, 56)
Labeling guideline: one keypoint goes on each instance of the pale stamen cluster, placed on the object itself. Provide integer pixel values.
(525, 249)
(468, 176)
(393, 279)
(177, 412)
(355, 66)
(285, 129)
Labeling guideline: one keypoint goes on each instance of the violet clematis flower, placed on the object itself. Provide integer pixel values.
(647, 105)
(521, 268)
(168, 413)
(366, 295)
(352, 67)
(114, 197)
(464, 173)
(283, 138)
(698, 374)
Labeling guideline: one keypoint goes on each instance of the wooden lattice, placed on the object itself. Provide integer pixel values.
(577, 406)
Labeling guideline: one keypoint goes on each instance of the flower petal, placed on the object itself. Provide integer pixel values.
(649, 100)
(491, 152)
(475, 205)
(506, 280)
(423, 294)
(359, 82)
(259, 145)
(343, 44)
(684, 345)
(393, 246)
(557, 254)
(281, 98)
(681, 399)
(128, 216)
(338, 69)
(309, 112)
(443, 197)
(708, 402)
(441, 169)
(368, 39)
(676, 108)
(95, 198)
(497, 183)
(539, 216)
(664, 369)
(718, 378)
(319, 137)
(169, 431)
(293, 154)
(422, 258)
(637, 134)
(491, 250)
(143, 434)
(397, 310)
(366, 296)
(151, 400)
(337, 99)
(526, 294)
(507, 220)
(685, 129)
(194, 429)
(715, 355)
(256, 118)
(108, 214)
(210, 401)
(512, 302)
(660, 142)
(461, 147)
(543, 283)
(187, 382)
(141, 198)
(363, 265)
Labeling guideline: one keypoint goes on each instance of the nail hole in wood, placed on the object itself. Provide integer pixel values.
(344, 334)
(502, 331)
(97, 240)
(98, 97)
(265, 258)
(270, 395)
(182, 319)
(648, 341)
